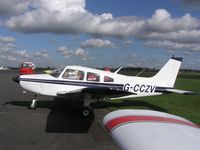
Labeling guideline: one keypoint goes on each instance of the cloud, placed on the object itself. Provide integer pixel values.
(22, 54)
(6, 43)
(162, 22)
(182, 36)
(132, 57)
(80, 53)
(67, 16)
(97, 43)
(42, 54)
(7, 39)
(13, 7)
(168, 45)
(174, 33)
(65, 51)
(15, 57)
(7, 58)
(4, 47)
(71, 16)
(127, 42)
(10, 56)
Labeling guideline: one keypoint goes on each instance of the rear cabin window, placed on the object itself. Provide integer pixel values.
(108, 79)
(73, 74)
(93, 77)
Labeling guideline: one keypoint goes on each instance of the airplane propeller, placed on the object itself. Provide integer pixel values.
(16, 79)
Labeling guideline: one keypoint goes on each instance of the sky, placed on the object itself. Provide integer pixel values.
(99, 33)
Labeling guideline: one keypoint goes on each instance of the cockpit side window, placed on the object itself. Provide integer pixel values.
(93, 77)
(73, 74)
(108, 79)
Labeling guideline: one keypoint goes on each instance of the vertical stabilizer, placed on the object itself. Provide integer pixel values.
(168, 73)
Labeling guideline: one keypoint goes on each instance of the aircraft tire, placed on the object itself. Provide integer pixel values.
(87, 112)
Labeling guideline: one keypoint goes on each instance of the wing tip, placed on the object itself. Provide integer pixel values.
(177, 58)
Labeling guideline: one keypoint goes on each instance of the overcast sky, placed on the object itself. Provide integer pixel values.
(99, 32)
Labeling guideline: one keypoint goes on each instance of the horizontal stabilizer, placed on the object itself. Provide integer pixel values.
(179, 91)
(136, 95)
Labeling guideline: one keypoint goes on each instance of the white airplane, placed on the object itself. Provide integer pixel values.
(4, 68)
(86, 84)
(151, 130)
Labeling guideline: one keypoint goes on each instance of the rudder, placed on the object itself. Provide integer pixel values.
(168, 73)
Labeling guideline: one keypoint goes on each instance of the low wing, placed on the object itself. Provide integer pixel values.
(151, 130)
(97, 91)
(104, 91)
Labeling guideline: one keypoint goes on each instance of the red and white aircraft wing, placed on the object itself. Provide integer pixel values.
(151, 130)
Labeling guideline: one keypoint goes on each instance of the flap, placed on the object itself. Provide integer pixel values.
(98, 91)
(63, 93)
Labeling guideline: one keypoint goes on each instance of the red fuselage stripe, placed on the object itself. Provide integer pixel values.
(135, 119)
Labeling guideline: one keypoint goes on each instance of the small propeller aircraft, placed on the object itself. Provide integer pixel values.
(151, 130)
(87, 84)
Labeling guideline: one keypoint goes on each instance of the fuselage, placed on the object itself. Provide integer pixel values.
(78, 77)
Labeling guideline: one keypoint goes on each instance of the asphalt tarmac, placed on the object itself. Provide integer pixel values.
(55, 125)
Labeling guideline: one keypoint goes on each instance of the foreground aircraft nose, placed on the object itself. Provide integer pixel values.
(16, 79)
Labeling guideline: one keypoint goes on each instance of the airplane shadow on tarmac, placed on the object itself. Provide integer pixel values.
(64, 117)
(127, 103)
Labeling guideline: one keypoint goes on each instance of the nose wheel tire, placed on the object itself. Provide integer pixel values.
(86, 112)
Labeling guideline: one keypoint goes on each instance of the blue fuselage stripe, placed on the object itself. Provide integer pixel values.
(86, 84)
(74, 83)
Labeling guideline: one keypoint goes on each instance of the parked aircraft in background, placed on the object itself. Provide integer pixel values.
(151, 130)
(87, 84)
(27, 68)
(4, 68)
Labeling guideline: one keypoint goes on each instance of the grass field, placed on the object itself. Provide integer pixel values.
(187, 106)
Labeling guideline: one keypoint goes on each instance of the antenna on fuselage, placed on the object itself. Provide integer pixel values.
(118, 70)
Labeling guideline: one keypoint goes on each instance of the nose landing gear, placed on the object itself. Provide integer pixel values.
(33, 104)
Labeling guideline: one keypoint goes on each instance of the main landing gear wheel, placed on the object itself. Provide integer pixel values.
(87, 112)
